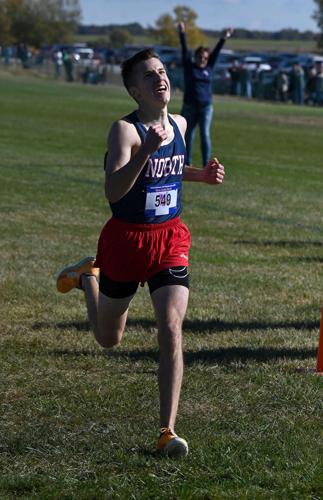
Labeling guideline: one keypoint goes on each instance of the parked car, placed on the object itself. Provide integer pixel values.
(130, 50)
(168, 55)
(308, 60)
(274, 60)
(253, 63)
(267, 88)
(221, 83)
(226, 58)
(83, 55)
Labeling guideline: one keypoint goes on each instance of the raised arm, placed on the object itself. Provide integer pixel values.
(182, 39)
(217, 49)
(123, 166)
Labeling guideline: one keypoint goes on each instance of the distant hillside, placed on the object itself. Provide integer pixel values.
(135, 29)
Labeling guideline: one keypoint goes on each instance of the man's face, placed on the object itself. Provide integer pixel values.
(151, 82)
(201, 58)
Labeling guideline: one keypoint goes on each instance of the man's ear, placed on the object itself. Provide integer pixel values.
(134, 92)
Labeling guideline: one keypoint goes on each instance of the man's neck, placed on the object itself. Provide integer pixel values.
(152, 116)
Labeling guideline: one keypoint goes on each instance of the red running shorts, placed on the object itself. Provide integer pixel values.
(136, 252)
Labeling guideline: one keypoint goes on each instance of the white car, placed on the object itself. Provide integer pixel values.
(84, 56)
(253, 62)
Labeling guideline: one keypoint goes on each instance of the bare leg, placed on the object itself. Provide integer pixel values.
(91, 291)
(107, 316)
(170, 303)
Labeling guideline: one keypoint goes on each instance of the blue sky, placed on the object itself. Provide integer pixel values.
(268, 15)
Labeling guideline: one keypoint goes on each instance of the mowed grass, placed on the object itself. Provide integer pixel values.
(80, 422)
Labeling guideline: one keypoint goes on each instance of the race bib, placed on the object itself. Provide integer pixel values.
(161, 200)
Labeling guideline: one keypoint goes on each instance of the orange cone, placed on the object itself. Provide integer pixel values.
(319, 361)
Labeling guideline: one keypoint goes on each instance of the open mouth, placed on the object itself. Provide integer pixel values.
(160, 89)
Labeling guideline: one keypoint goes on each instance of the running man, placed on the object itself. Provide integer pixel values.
(145, 239)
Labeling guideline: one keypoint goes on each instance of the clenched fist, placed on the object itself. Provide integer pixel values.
(154, 138)
(213, 172)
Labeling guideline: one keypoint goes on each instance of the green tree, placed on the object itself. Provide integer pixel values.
(119, 37)
(38, 22)
(5, 26)
(318, 16)
(165, 31)
(166, 27)
(57, 19)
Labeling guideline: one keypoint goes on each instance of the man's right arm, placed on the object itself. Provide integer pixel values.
(127, 157)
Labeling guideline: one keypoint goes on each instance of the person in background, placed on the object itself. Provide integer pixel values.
(68, 61)
(197, 101)
(282, 86)
(297, 84)
(58, 63)
(256, 82)
(245, 81)
(235, 78)
(319, 84)
(23, 54)
(310, 90)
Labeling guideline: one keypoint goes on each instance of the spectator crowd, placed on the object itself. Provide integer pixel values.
(296, 82)
(299, 85)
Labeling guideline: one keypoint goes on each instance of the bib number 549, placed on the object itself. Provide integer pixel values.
(163, 200)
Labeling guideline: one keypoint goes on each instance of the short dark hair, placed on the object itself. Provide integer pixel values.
(128, 65)
(201, 49)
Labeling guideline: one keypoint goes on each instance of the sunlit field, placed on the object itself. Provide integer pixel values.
(80, 422)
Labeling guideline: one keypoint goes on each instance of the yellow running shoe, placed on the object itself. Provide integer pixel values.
(170, 445)
(70, 277)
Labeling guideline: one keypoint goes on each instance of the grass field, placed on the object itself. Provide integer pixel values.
(78, 422)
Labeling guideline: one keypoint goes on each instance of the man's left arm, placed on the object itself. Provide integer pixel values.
(212, 173)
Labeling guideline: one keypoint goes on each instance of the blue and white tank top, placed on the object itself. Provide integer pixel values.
(156, 195)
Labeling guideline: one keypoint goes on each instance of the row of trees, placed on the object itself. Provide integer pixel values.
(39, 22)
(318, 16)
(135, 29)
(283, 34)
(165, 30)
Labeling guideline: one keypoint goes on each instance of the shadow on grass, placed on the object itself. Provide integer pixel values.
(217, 325)
(80, 326)
(287, 244)
(194, 325)
(281, 243)
(145, 452)
(222, 355)
(305, 259)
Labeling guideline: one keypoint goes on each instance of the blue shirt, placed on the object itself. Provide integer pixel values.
(156, 195)
(198, 81)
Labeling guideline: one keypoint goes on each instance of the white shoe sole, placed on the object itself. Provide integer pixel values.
(175, 448)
